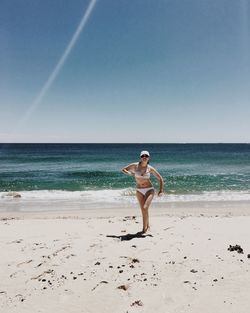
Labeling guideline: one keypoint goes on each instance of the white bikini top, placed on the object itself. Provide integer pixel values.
(139, 174)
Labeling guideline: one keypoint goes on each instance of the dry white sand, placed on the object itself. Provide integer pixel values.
(74, 263)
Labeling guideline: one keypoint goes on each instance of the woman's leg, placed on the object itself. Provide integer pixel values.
(145, 202)
(140, 198)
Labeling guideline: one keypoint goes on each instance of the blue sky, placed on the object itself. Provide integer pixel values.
(140, 71)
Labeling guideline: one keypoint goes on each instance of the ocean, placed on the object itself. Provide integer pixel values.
(92, 172)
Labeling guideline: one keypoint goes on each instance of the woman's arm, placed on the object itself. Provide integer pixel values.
(160, 179)
(129, 170)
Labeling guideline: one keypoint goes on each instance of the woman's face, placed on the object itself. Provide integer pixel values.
(145, 158)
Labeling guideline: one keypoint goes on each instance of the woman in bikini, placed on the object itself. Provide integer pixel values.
(144, 188)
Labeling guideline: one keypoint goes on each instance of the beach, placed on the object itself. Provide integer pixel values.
(95, 260)
(70, 230)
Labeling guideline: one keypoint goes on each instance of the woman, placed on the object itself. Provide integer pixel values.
(144, 188)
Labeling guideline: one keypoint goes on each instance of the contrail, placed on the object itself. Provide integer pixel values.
(59, 65)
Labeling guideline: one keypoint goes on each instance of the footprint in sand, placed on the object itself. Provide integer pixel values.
(20, 297)
(14, 275)
(16, 241)
(25, 262)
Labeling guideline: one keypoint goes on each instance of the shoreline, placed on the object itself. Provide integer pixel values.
(67, 209)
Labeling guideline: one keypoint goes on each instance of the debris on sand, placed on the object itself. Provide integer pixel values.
(137, 302)
(123, 287)
(235, 248)
(101, 282)
(129, 218)
(12, 195)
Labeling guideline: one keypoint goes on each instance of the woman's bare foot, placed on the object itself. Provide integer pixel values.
(146, 230)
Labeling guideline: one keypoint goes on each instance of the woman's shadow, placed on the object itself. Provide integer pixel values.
(130, 236)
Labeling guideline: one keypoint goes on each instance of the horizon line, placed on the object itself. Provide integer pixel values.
(131, 143)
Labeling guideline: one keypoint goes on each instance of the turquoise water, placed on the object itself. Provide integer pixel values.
(186, 168)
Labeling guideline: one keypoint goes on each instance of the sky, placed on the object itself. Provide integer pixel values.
(134, 71)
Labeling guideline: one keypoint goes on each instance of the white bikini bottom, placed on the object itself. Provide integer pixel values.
(143, 191)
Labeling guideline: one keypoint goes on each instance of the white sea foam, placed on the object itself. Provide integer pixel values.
(118, 196)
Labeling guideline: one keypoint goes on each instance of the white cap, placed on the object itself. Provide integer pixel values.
(144, 152)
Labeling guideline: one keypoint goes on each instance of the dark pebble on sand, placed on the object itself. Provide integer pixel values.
(44, 279)
(74, 277)
(193, 271)
(97, 263)
(121, 271)
(248, 256)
